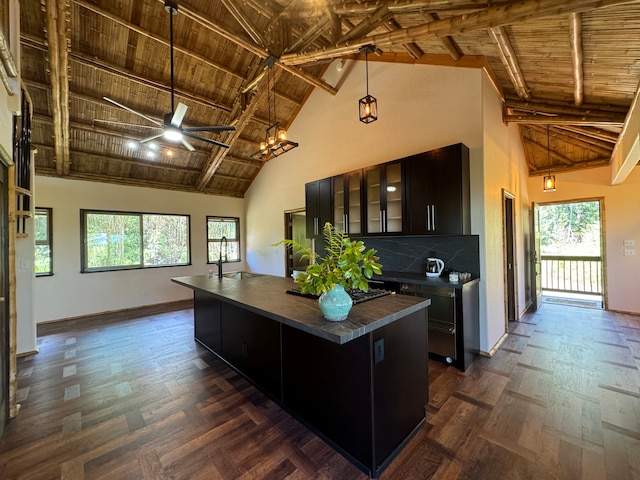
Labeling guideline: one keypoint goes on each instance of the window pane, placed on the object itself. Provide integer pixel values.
(113, 240)
(166, 240)
(43, 258)
(218, 227)
(41, 226)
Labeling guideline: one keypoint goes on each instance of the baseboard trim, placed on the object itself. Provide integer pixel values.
(495, 348)
(125, 313)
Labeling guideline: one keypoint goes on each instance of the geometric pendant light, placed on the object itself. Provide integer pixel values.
(368, 105)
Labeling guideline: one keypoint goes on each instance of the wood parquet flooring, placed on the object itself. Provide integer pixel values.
(136, 398)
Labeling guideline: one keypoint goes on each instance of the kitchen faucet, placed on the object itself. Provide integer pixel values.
(226, 247)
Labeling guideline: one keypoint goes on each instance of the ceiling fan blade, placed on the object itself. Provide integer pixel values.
(213, 128)
(178, 115)
(205, 139)
(189, 147)
(123, 124)
(144, 140)
(152, 120)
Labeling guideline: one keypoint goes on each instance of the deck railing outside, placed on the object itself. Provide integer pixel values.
(572, 274)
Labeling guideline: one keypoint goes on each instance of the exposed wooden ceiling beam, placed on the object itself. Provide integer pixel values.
(510, 61)
(135, 182)
(575, 36)
(612, 121)
(146, 33)
(380, 16)
(596, 146)
(56, 30)
(489, 17)
(112, 69)
(243, 117)
(409, 6)
(412, 48)
(596, 162)
(547, 107)
(246, 24)
(447, 42)
(597, 133)
(255, 49)
(311, 34)
(550, 154)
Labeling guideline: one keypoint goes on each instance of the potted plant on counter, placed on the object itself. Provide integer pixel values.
(346, 265)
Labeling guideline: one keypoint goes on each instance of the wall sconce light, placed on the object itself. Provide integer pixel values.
(368, 105)
(549, 181)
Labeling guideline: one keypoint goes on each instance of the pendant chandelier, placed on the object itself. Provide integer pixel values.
(275, 141)
(368, 105)
(549, 181)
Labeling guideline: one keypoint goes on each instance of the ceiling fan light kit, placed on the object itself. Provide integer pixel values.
(172, 129)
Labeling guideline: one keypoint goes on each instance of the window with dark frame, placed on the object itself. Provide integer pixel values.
(218, 227)
(130, 240)
(43, 256)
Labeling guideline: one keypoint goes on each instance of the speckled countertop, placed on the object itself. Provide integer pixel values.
(266, 295)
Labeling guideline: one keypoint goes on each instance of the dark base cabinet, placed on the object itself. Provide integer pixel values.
(366, 397)
(206, 320)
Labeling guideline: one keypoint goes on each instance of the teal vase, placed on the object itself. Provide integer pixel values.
(335, 304)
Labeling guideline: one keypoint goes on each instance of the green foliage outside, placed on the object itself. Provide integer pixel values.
(216, 229)
(129, 240)
(570, 229)
(42, 261)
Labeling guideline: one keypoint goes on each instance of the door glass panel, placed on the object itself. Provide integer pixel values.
(338, 203)
(354, 204)
(394, 197)
(373, 201)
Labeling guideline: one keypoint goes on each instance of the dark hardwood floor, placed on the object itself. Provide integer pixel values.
(137, 398)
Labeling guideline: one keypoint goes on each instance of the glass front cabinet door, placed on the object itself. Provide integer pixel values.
(347, 202)
(383, 188)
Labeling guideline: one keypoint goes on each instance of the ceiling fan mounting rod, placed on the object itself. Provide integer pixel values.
(171, 7)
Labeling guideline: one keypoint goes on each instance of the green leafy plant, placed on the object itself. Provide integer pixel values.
(346, 262)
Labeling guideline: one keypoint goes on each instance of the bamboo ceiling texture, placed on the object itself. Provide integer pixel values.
(568, 71)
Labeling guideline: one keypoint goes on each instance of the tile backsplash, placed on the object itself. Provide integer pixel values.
(409, 253)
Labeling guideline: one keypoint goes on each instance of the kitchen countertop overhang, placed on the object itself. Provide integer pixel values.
(266, 295)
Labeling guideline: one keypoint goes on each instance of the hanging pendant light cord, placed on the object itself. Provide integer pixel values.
(366, 68)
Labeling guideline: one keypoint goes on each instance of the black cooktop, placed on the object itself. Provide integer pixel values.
(358, 296)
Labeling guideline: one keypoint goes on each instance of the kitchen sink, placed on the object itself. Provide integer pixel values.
(240, 275)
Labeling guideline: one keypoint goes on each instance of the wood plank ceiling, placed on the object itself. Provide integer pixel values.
(568, 69)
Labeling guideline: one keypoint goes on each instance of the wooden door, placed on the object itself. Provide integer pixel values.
(536, 267)
(509, 256)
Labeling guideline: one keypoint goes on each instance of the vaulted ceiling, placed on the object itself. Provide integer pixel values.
(568, 71)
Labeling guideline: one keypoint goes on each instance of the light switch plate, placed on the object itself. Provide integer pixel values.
(629, 252)
(629, 243)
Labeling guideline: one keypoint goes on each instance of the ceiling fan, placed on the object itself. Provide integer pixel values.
(172, 124)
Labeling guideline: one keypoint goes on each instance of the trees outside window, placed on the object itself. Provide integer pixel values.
(43, 261)
(218, 227)
(124, 240)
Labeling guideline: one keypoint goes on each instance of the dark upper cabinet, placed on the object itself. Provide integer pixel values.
(437, 192)
(318, 206)
(383, 195)
(347, 202)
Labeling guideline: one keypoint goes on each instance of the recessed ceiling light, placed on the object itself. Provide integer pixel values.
(153, 146)
(170, 153)
(151, 154)
(132, 145)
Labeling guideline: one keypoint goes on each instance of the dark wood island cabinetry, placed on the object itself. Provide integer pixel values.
(360, 384)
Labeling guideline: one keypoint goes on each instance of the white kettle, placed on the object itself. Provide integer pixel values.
(434, 267)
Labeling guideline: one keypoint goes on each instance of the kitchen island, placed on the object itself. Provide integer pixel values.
(360, 384)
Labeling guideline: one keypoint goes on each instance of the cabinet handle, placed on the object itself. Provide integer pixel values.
(433, 217)
(428, 217)
(381, 220)
(315, 225)
(345, 219)
(384, 220)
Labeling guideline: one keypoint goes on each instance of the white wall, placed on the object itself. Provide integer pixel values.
(621, 222)
(420, 108)
(68, 293)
